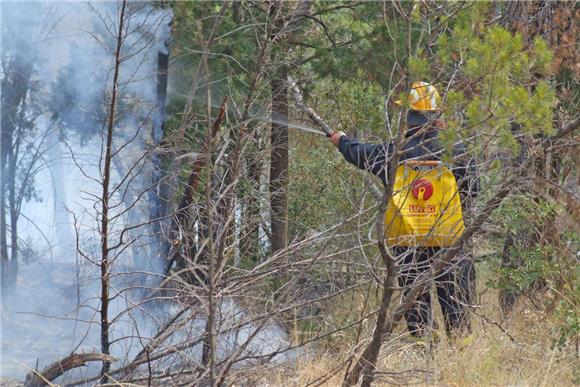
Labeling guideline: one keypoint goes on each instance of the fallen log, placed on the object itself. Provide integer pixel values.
(58, 368)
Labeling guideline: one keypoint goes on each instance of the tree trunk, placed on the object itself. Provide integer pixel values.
(12, 165)
(160, 195)
(14, 89)
(279, 135)
(279, 163)
(105, 268)
(369, 357)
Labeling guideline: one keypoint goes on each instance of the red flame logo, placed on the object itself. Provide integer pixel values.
(422, 189)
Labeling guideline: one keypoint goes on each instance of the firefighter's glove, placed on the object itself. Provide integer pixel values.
(335, 137)
(439, 124)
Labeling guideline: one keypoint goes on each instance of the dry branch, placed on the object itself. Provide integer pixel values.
(162, 334)
(192, 184)
(567, 129)
(58, 368)
(105, 220)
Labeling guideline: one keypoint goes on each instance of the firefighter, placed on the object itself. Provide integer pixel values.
(455, 285)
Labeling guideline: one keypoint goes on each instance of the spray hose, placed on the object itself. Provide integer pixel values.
(299, 100)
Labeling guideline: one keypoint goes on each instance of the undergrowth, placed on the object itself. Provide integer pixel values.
(516, 350)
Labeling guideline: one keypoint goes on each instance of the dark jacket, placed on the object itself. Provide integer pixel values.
(375, 158)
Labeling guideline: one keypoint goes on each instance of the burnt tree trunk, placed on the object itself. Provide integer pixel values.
(160, 196)
(279, 163)
(182, 219)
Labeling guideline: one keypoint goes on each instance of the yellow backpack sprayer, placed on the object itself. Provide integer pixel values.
(425, 208)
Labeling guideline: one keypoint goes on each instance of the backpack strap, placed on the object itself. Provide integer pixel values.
(425, 163)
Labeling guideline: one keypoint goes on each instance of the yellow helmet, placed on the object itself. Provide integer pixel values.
(423, 97)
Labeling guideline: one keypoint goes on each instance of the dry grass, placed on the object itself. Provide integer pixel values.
(493, 358)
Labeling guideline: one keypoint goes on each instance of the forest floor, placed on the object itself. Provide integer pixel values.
(517, 351)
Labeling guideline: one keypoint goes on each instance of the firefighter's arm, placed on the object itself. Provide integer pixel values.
(370, 157)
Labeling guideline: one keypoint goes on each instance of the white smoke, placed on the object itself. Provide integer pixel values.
(70, 46)
(54, 309)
